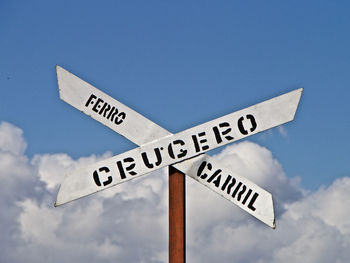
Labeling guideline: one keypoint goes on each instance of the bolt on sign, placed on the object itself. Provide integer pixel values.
(185, 150)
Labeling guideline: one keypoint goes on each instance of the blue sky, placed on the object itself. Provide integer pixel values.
(182, 63)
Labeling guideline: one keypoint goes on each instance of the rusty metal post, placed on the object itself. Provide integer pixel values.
(177, 216)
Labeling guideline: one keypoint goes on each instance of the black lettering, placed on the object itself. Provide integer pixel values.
(97, 177)
(103, 108)
(129, 169)
(171, 151)
(121, 170)
(247, 196)
(92, 96)
(209, 166)
(110, 113)
(97, 106)
(114, 114)
(228, 178)
(106, 110)
(241, 193)
(233, 182)
(253, 122)
(217, 181)
(214, 175)
(146, 161)
(236, 190)
(120, 118)
(241, 126)
(218, 134)
(196, 145)
(252, 201)
(201, 141)
(201, 168)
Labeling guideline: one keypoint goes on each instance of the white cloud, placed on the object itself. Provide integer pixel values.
(51, 167)
(311, 227)
(279, 130)
(306, 232)
(11, 139)
(129, 223)
(282, 130)
(329, 205)
(38, 224)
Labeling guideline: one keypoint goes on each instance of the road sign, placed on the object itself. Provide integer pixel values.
(107, 110)
(172, 148)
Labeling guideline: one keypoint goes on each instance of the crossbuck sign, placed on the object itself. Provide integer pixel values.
(184, 150)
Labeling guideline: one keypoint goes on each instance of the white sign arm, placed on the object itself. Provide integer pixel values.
(239, 190)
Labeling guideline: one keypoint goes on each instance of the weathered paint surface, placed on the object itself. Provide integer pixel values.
(173, 148)
(177, 216)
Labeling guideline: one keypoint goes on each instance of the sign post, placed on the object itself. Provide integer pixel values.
(177, 216)
(183, 153)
